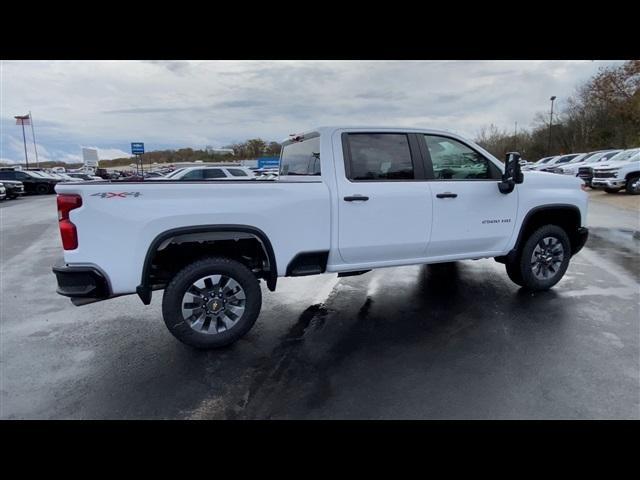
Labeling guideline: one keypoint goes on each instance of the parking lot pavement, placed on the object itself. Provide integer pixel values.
(441, 341)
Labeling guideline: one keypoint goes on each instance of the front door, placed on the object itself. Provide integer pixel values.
(384, 202)
(470, 215)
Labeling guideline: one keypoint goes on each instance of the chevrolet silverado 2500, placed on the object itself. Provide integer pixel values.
(347, 200)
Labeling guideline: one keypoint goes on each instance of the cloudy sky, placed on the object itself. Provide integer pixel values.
(176, 104)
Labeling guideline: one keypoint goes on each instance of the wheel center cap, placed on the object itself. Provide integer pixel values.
(215, 305)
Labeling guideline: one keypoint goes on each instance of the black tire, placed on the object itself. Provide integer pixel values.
(633, 185)
(612, 190)
(42, 188)
(525, 268)
(185, 278)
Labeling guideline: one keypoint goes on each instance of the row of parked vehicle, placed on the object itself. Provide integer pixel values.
(38, 181)
(611, 170)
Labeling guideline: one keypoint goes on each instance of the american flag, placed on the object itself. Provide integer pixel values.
(23, 120)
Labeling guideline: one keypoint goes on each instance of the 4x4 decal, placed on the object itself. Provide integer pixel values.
(116, 194)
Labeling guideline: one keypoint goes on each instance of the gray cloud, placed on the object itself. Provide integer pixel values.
(173, 104)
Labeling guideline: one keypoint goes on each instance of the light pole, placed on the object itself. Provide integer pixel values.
(550, 120)
(21, 120)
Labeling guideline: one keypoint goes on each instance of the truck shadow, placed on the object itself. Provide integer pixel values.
(450, 309)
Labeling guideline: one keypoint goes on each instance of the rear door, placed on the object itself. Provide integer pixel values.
(384, 201)
(470, 215)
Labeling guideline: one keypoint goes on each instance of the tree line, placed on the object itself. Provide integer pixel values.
(603, 113)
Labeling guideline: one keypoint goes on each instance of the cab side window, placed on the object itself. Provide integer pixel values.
(379, 156)
(453, 160)
(213, 173)
(193, 175)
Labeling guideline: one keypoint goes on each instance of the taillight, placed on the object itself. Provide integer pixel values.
(66, 203)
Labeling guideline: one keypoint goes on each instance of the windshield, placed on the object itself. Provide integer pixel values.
(543, 160)
(175, 172)
(583, 157)
(565, 158)
(624, 155)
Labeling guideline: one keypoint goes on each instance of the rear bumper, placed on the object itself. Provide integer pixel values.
(82, 284)
(581, 239)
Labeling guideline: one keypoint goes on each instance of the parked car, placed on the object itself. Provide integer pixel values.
(14, 189)
(3, 192)
(585, 171)
(208, 173)
(33, 181)
(538, 164)
(623, 173)
(556, 162)
(574, 165)
(153, 175)
(349, 200)
(84, 176)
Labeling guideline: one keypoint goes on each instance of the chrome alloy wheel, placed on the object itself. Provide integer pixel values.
(547, 258)
(213, 304)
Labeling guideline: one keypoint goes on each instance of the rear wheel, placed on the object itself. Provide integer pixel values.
(543, 260)
(633, 185)
(212, 302)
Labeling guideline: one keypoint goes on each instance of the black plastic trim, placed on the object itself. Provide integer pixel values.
(583, 236)
(308, 263)
(81, 282)
(144, 289)
(554, 206)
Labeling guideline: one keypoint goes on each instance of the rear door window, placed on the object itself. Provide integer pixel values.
(379, 156)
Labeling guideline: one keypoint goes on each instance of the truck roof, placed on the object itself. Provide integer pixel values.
(329, 129)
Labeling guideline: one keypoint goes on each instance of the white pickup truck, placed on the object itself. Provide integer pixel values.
(347, 200)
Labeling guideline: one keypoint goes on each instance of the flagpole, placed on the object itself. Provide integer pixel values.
(24, 139)
(33, 132)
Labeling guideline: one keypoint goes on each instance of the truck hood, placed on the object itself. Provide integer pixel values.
(546, 179)
(621, 163)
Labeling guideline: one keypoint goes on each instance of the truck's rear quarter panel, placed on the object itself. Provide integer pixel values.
(115, 230)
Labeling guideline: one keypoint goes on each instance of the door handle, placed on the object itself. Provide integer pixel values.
(356, 198)
(446, 195)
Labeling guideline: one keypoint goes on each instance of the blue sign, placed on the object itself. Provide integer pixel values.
(268, 162)
(137, 148)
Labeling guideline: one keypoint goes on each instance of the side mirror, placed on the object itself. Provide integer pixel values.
(512, 173)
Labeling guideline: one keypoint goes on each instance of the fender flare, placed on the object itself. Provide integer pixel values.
(144, 289)
(535, 210)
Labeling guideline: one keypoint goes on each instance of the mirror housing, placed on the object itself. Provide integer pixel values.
(512, 173)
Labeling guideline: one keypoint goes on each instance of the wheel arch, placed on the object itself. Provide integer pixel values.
(566, 216)
(220, 232)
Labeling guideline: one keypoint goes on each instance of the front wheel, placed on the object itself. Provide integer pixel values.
(42, 189)
(543, 260)
(633, 185)
(211, 303)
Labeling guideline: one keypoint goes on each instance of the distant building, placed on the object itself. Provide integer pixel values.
(223, 151)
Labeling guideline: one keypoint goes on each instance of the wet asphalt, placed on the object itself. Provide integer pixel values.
(455, 341)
